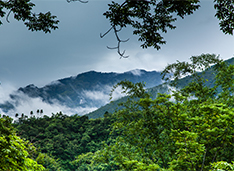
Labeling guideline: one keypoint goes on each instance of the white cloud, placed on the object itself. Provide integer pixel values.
(54, 83)
(5, 90)
(25, 104)
(136, 72)
(103, 94)
(96, 95)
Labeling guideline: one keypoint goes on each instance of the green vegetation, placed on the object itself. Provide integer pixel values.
(23, 11)
(64, 137)
(189, 129)
(15, 153)
(208, 75)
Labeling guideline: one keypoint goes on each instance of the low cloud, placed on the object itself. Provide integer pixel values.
(5, 90)
(97, 95)
(136, 72)
(103, 94)
(25, 104)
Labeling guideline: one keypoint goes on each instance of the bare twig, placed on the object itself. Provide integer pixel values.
(7, 17)
(118, 39)
(103, 35)
(214, 157)
(117, 36)
(77, 0)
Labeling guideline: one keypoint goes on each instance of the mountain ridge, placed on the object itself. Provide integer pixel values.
(161, 88)
(86, 90)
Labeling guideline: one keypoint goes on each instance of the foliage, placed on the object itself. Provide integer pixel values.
(189, 129)
(61, 138)
(222, 166)
(225, 12)
(22, 10)
(15, 153)
(192, 129)
(149, 19)
(48, 162)
(208, 75)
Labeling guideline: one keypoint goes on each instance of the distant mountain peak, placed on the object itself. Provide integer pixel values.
(84, 92)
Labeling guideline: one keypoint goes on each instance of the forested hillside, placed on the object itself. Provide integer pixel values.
(189, 129)
(65, 137)
(208, 74)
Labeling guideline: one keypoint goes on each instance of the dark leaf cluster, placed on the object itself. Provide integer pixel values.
(23, 10)
(225, 13)
(148, 18)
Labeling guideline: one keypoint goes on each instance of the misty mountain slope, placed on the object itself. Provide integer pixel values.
(113, 105)
(84, 92)
(209, 74)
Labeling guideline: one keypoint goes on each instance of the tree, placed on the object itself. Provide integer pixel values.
(15, 153)
(149, 19)
(191, 131)
(22, 10)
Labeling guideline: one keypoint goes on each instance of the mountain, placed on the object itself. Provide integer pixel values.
(209, 74)
(84, 92)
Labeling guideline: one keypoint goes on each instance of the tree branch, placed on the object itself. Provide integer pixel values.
(8, 16)
(77, 0)
(103, 35)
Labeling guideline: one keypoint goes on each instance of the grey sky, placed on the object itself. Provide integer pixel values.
(34, 57)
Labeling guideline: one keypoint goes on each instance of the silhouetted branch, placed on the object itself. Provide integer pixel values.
(112, 47)
(103, 35)
(77, 0)
(8, 16)
(117, 36)
(119, 29)
(118, 39)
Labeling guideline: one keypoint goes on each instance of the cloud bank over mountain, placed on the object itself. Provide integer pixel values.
(24, 104)
(81, 94)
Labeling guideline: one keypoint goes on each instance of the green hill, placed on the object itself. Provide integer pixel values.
(209, 74)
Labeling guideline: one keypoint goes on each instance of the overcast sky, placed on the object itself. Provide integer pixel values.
(34, 57)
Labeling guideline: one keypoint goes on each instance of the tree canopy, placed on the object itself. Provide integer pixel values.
(15, 153)
(189, 129)
(149, 19)
(23, 11)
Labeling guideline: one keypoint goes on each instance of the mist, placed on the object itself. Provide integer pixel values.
(23, 104)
